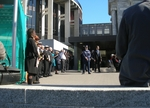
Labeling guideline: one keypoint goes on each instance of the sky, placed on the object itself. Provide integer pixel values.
(95, 11)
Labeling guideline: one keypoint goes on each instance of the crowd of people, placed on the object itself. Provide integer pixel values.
(41, 60)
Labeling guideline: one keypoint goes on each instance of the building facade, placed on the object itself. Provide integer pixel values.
(62, 20)
(55, 19)
(115, 10)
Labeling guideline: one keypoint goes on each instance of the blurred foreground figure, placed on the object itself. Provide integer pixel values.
(2, 51)
(133, 45)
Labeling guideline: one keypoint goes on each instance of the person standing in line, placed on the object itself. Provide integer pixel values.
(40, 59)
(133, 45)
(50, 61)
(86, 60)
(46, 61)
(57, 61)
(63, 59)
(67, 60)
(97, 59)
(31, 56)
(36, 80)
(53, 61)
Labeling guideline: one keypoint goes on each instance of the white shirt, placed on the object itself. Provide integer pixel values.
(62, 56)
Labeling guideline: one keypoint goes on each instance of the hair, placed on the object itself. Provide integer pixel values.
(56, 52)
(29, 32)
(37, 38)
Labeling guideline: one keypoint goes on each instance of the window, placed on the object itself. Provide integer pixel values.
(92, 29)
(107, 30)
(85, 30)
(99, 31)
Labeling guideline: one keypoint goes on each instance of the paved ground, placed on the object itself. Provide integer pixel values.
(108, 76)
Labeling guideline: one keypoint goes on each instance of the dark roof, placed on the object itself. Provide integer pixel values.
(78, 3)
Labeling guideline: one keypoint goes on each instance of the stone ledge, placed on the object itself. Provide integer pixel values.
(49, 96)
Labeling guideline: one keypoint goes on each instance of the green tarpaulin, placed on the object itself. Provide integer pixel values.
(6, 24)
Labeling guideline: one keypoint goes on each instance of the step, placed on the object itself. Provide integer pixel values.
(48, 96)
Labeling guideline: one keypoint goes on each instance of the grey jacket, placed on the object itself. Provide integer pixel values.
(133, 45)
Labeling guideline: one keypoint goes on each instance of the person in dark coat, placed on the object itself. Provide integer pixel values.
(133, 45)
(92, 60)
(31, 56)
(51, 61)
(97, 59)
(40, 59)
(116, 63)
(46, 61)
(86, 60)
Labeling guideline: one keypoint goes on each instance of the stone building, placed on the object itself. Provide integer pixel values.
(116, 8)
(54, 19)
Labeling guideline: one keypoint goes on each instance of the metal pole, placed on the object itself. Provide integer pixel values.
(14, 32)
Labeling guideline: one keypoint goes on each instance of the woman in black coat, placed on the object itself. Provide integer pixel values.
(31, 56)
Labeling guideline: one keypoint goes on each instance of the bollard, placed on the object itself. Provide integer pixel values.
(79, 66)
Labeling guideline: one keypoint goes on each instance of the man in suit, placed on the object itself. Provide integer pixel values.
(133, 45)
(97, 59)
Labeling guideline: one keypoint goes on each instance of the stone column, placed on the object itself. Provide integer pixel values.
(59, 22)
(121, 6)
(43, 21)
(50, 19)
(114, 19)
(76, 23)
(67, 21)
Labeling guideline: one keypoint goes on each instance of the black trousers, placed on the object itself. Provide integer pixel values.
(32, 79)
(40, 68)
(97, 65)
(46, 67)
(50, 68)
(67, 64)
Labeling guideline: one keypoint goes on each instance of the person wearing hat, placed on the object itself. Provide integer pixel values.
(86, 59)
(46, 61)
